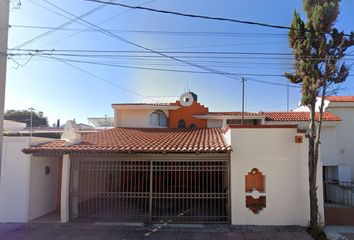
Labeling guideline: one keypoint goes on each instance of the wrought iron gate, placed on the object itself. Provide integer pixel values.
(172, 191)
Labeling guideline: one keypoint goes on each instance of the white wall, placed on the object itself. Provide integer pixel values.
(14, 180)
(284, 163)
(134, 118)
(215, 123)
(345, 137)
(42, 188)
(328, 149)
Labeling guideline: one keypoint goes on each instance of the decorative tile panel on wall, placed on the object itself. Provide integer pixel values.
(255, 191)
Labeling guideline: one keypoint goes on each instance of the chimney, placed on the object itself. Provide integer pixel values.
(71, 133)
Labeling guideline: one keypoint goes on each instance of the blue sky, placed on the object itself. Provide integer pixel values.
(64, 91)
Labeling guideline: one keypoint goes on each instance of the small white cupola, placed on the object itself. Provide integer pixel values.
(71, 133)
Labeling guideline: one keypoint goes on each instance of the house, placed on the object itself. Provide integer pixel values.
(177, 162)
(337, 153)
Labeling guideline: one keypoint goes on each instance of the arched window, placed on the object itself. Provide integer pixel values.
(181, 124)
(158, 119)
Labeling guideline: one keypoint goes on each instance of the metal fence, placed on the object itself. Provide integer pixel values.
(172, 191)
(339, 194)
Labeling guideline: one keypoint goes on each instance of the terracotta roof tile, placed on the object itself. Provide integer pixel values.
(280, 116)
(298, 116)
(142, 140)
(340, 98)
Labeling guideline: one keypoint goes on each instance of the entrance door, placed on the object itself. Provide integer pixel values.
(171, 191)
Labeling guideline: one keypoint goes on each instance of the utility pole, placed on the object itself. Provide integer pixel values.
(4, 29)
(243, 100)
(31, 122)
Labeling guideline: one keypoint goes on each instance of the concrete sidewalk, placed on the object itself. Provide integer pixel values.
(94, 232)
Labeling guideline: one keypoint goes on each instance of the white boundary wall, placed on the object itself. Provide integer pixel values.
(284, 163)
(25, 191)
(14, 185)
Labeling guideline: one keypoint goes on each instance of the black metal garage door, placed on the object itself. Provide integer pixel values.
(172, 191)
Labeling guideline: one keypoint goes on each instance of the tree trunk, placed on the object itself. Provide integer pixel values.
(312, 163)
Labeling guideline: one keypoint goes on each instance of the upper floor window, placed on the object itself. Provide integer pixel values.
(158, 119)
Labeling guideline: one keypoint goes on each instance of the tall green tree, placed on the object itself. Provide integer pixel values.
(25, 117)
(319, 49)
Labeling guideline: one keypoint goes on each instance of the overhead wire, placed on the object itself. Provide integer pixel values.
(199, 16)
(166, 52)
(60, 26)
(100, 78)
(179, 56)
(158, 32)
(143, 47)
(88, 27)
(179, 70)
(153, 51)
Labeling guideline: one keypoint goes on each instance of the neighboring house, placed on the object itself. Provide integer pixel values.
(337, 152)
(12, 126)
(174, 162)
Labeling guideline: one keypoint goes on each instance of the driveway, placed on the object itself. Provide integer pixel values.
(78, 231)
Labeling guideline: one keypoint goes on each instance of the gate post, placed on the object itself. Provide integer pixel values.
(150, 195)
(65, 185)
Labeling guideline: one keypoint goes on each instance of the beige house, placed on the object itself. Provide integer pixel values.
(177, 162)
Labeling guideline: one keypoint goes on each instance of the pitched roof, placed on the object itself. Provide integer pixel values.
(281, 116)
(340, 98)
(298, 116)
(142, 140)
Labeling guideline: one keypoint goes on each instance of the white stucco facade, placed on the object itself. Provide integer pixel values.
(284, 163)
(42, 185)
(337, 151)
(133, 118)
(345, 139)
(14, 187)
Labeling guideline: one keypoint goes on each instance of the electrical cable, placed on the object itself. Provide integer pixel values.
(199, 16)
(61, 26)
(142, 47)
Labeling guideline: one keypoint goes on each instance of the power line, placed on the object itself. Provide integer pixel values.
(61, 26)
(197, 16)
(142, 47)
(158, 32)
(180, 57)
(88, 27)
(166, 52)
(180, 71)
(100, 78)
